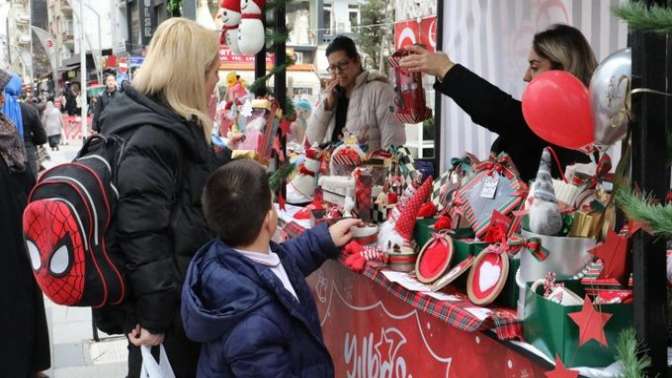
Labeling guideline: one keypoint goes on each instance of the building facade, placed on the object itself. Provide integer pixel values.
(20, 39)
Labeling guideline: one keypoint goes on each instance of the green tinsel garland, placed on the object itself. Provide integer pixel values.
(639, 17)
(278, 177)
(642, 208)
(628, 351)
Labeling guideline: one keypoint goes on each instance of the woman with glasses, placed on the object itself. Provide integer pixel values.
(356, 103)
(561, 47)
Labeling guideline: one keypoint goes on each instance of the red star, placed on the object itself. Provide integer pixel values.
(591, 323)
(561, 371)
(612, 252)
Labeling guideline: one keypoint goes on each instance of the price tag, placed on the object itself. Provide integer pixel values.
(490, 184)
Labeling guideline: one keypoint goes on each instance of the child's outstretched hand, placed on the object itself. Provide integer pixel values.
(341, 231)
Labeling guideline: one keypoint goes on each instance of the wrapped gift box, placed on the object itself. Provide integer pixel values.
(549, 328)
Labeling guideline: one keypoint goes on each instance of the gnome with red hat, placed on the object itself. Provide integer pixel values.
(230, 15)
(396, 233)
(251, 34)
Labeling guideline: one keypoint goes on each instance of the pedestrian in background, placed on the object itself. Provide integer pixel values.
(24, 349)
(53, 125)
(104, 99)
(167, 158)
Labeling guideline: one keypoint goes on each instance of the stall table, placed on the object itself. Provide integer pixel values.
(376, 328)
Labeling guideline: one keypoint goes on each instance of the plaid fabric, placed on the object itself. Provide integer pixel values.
(504, 321)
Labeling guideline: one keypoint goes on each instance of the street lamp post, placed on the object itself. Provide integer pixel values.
(82, 70)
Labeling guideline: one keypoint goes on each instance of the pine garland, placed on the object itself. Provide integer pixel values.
(173, 7)
(278, 177)
(642, 208)
(631, 354)
(639, 17)
(276, 69)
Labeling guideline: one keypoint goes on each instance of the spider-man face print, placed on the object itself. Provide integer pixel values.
(54, 241)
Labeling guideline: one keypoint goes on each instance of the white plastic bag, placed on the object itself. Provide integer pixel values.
(150, 368)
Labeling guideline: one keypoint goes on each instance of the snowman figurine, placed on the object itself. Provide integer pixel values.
(251, 33)
(230, 16)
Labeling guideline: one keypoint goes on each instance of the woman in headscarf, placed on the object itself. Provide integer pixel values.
(23, 325)
(53, 124)
(27, 119)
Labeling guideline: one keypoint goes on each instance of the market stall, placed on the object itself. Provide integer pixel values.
(465, 269)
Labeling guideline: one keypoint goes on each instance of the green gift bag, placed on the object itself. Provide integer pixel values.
(548, 327)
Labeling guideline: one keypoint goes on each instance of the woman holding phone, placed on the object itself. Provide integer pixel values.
(356, 103)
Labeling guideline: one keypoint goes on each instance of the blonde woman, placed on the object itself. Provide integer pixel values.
(167, 158)
(560, 47)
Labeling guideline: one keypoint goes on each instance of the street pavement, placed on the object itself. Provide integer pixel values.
(74, 354)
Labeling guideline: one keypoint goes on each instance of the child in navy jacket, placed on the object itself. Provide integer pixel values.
(245, 298)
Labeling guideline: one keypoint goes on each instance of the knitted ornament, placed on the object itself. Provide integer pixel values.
(544, 213)
(251, 33)
(230, 14)
(357, 256)
(302, 187)
(398, 232)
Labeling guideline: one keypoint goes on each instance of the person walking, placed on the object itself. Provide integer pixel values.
(53, 125)
(24, 349)
(104, 99)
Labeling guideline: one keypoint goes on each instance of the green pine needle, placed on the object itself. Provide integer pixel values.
(631, 354)
(643, 209)
(639, 17)
(274, 38)
(278, 177)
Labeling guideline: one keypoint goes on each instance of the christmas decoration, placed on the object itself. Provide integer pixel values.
(640, 17)
(434, 258)
(280, 174)
(494, 187)
(396, 232)
(251, 32)
(591, 323)
(545, 217)
(632, 355)
(302, 187)
(561, 371)
(410, 106)
(488, 276)
(655, 217)
(230, 15)
(612, 252)
(345, 159)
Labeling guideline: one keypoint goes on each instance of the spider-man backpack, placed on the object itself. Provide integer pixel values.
(66, 224)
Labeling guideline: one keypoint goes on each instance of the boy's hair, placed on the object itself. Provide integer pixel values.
(236, 200)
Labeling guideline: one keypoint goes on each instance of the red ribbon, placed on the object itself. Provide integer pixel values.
(601, 174)
(251, 16)
(532, 245)
(501, 164)
(305, 171)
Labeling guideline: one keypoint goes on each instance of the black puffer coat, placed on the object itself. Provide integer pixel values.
(159, 221)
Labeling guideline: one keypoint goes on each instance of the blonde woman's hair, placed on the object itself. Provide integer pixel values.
(567, 49)
(179, 55)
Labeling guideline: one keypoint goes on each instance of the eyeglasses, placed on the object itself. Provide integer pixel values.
(338, 67)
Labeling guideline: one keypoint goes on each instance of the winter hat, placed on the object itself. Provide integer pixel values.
(232, 5)
(5, 77)
(543, 184)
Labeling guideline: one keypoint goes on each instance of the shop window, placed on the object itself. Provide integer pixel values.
(327, 18)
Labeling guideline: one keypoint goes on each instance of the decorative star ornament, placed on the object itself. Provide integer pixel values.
(561, 371)
(612, 252)
(591, 323)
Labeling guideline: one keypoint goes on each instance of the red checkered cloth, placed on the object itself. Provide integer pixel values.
(504, 321)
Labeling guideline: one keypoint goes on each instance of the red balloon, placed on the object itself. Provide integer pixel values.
(556, 106)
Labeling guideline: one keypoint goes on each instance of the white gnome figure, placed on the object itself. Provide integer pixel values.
(544, 213)
(251, 33)
(230, 14)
